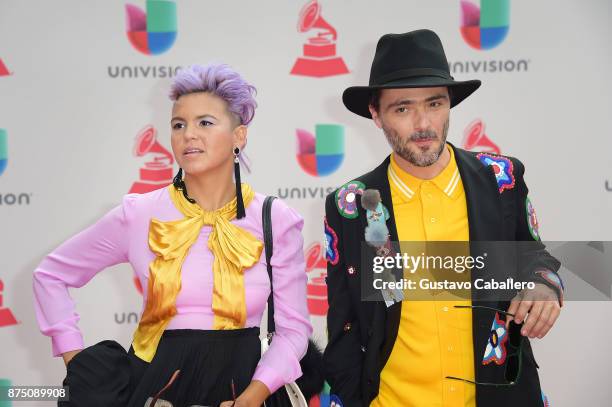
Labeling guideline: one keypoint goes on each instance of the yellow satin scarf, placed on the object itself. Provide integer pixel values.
(234, 250)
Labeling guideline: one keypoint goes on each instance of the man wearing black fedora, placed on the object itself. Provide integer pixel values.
(435, 352)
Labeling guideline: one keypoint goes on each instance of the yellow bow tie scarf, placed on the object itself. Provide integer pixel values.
(234, 249)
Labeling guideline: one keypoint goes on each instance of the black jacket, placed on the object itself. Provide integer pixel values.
(361, 334)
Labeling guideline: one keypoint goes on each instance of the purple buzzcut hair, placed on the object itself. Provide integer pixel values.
(220, 80)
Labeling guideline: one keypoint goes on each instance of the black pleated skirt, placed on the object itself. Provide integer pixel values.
(209, 361)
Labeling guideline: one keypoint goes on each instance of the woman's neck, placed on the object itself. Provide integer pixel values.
(211, 190)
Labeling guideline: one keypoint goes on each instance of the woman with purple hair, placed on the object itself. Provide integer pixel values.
(197, 248)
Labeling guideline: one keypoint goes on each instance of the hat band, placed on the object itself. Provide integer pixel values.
(411, 73)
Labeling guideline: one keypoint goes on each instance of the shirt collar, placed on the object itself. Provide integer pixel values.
(407, 184)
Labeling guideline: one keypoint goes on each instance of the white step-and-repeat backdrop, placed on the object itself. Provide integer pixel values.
(81, 80)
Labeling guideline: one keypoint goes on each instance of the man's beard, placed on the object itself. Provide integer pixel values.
(421, 157)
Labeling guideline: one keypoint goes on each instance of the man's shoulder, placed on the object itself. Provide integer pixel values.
(488, 158)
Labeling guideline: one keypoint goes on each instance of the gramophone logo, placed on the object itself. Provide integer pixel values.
(152, 32)
(3, 150)
(485, 27)
(157, 172)
(320, 154)
(316, 289)
(6, 316)
(137, 284)
(319, 57)
(475, 139)
(3, 69)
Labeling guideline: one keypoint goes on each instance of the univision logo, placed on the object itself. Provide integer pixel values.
(322, 153)
(3, 150)
(9, 199)
(485, 27)
(152, 32)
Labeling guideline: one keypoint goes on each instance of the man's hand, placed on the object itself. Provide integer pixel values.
(543, 308)
(69, 355)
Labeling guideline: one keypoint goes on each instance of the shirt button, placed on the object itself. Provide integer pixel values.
(347, 327)
(445, 309)
(450, 348)
(452, 388)
(433, 220)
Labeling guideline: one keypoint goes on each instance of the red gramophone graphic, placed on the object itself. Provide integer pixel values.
(319, 57)
(137, 284)
(3, 69)
(316, 290)
(6, 316)
(156, 173)
(475, 139)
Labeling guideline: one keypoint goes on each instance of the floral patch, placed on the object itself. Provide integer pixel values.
(496, 345)
(331, 244)
(502, 168)
(532, 220)
(346, 198)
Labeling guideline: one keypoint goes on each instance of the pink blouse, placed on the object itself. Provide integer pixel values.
(121, 236)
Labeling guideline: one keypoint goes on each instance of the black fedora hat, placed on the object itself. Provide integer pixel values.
(412, 60)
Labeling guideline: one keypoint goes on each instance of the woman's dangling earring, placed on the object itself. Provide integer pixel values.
(178, 179)
(239, 202)
(179, 184)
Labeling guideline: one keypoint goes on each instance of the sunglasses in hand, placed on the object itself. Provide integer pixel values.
(514, 358)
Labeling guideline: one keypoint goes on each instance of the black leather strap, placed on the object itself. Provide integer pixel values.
(269, 245)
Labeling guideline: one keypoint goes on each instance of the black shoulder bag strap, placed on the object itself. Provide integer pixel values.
(268, 243)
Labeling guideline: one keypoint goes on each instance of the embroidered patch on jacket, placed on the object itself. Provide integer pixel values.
(552, 277)
(496, 345)
(346, 198)
(331, 244)
(503, 169)
(532, 220)
(334, 401)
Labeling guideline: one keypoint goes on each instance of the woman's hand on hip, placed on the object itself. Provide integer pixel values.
(253, 396)
(69, 355)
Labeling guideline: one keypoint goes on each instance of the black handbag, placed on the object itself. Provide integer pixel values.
(312, 379)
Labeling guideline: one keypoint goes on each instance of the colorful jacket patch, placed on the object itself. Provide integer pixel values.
(346, 199)
(502, 167)
(496, 345)
(334, 401)
(553, 279)
(331, 244)
(532, 220)
(545, 401)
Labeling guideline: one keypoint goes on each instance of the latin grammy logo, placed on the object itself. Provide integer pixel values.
(3, 69)
(475, 139)
(316, 289)
(156, 173)
(6, 316)
(319, 54)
